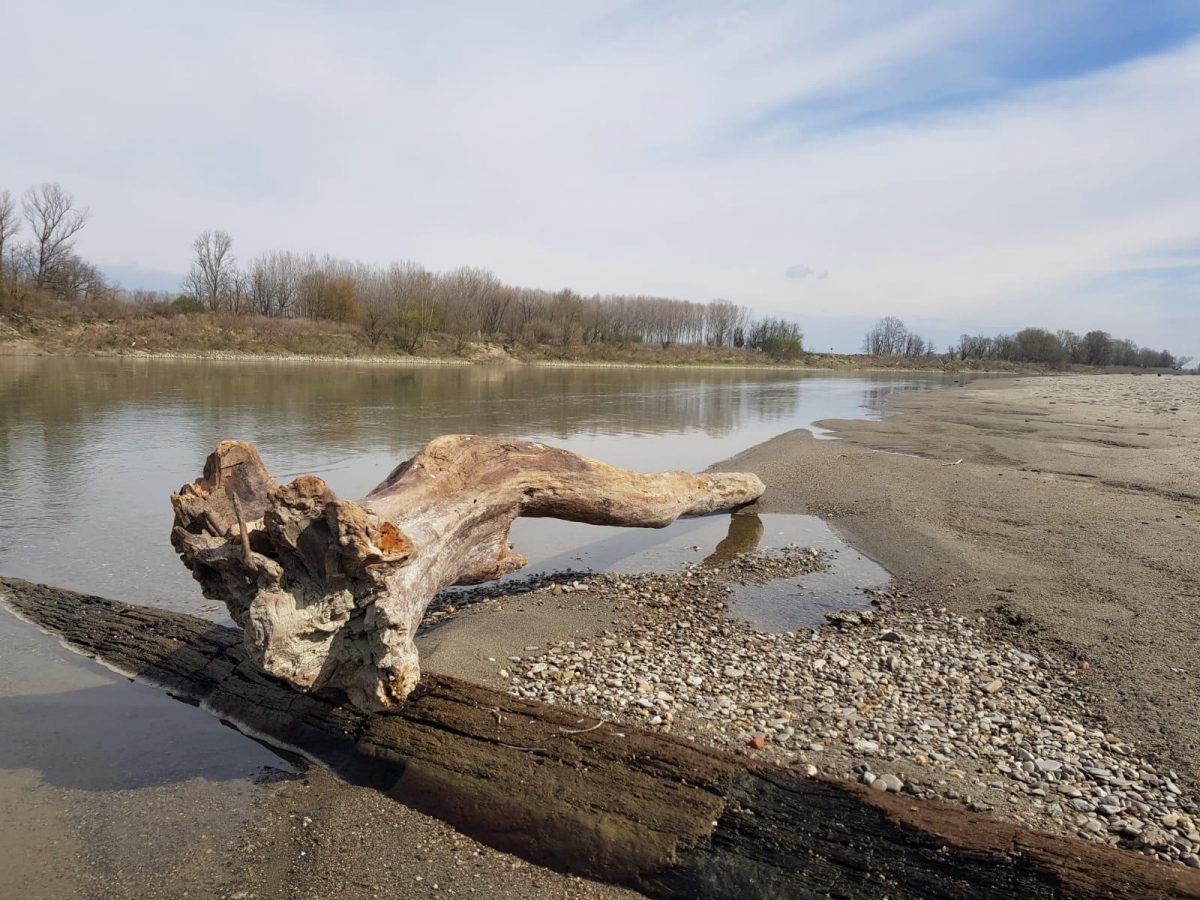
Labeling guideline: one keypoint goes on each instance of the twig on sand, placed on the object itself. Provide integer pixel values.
(527, 749)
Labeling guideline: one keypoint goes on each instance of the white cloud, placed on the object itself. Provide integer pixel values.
(684, 153)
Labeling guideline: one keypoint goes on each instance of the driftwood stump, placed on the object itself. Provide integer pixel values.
(329, 593)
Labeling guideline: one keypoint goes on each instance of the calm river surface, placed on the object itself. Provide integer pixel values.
(90, 449)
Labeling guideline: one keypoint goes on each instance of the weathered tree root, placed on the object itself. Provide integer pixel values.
(329, 593)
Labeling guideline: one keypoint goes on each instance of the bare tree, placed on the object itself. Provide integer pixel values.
(527, 305)
(888, 337)
(9, 225)
(273, 283)
(462, 293)
(721, 319)
(213, 276)
(54, 222)
(566, 312)
(492, 300)
(413, 292)
(74, 278)
(1097, 348)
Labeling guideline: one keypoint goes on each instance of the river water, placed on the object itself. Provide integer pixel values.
(90, 450)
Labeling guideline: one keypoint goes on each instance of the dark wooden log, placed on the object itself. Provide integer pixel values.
(646, 810)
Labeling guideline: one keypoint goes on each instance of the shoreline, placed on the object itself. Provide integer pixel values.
(24, 348)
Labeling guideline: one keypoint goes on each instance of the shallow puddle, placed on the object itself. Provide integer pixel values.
(81, 726)
(785, 604)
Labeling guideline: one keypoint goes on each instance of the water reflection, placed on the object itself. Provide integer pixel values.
(83, 727)
(91, 448)
(744, 535)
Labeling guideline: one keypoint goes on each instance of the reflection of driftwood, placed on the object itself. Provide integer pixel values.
(329, 592)
(651, 811)
(744, 535)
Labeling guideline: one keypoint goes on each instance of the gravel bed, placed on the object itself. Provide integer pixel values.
(897, 697)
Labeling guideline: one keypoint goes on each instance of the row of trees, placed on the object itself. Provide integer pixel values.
(37, 243)
(890, 337)
(1062, 348)
(404, 304)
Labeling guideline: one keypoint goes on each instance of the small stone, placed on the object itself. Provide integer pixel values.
(892, 637)
(757, 742)
(1192, 860)
(993, 686)
(890, 783)
(865, 746)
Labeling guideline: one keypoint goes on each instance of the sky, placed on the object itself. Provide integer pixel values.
(967, 166)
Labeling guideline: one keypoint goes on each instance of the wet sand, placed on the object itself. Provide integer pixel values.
(1071, 524)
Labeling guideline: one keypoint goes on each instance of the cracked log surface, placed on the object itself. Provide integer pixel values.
(646, 810)
(329, 593)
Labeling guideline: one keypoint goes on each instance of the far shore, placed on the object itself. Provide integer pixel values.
(493, 355)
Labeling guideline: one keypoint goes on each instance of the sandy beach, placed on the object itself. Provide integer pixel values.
(1041, 632)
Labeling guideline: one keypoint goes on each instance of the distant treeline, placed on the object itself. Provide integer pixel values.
(402, 304)
(1057, 349)
(1062, 348)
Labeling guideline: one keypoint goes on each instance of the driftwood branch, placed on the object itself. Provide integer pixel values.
(647, 810)
(329, 592)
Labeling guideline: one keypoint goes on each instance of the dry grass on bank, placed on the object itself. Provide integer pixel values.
(114, 328)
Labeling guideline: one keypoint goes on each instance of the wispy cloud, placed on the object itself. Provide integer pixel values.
(802, 271)
(967, 163)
